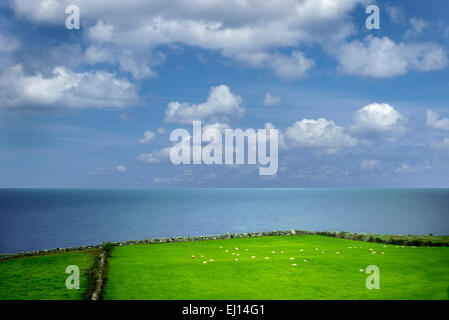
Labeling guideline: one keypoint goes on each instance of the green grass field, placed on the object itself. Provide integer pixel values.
(263, 270)
(43, 277)
(167, 271)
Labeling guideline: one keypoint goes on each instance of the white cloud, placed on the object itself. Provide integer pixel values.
(383, 58)
(396, 14)
(221, 105)
(148, 136)
(379, 121)
(96, 55)
(318, 134)
(258, 33)
(434, 121)
(100, 32)
(148, 157)
(135, 63)
(254, 32)
(288, 67)
(121, 168)
(291, 67)
(65, 89)
(369, 165)
(137, 67)
(418, 26)
(44, 57)
(216, 126)
(155, 157)
(270, 100)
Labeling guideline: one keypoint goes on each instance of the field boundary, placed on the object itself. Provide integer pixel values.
(97, 274)
(47, 251)
(408, 240)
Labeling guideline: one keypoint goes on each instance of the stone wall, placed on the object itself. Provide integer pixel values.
(369, 237)
(215, 237)
(96, 295)
(157, 240)
(47, 251)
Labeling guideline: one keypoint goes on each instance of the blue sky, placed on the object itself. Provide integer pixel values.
(354, 107)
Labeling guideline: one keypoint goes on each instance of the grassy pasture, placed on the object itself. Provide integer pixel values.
(281, 267)
(168, 271)
(43, 277)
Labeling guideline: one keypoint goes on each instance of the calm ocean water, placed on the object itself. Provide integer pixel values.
(35, 219)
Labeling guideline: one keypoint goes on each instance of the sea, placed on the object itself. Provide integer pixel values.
(37, 219)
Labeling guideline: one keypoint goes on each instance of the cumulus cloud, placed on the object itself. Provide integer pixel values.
(369, 165)
(39, 58)
(65, 88)
(417, 27)
(270, 100)
(374, 121)
(434, 121)
(288, 67)
(156, 156)
(135, 63)
(396, 14)
(384, 58)
(221, 105)
(148, 136)
(220, 127)
(258, 33)
(254, 32)
(379, 121)
(96, 55)
(101, 32)
(318, 134)
(138, 65)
